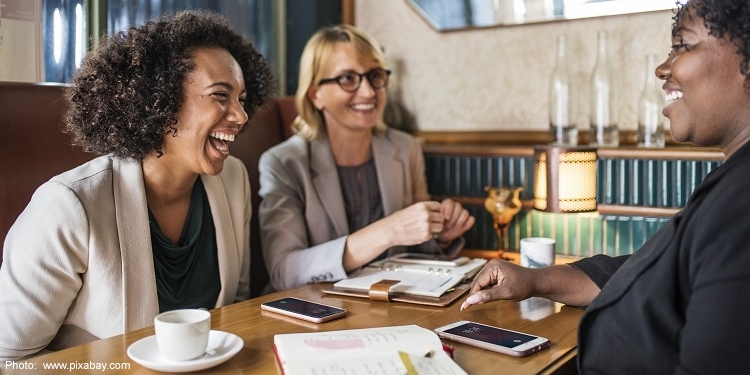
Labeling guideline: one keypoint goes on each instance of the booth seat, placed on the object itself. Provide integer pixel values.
(34, 148)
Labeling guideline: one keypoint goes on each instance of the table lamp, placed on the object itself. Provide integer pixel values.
(564, 179)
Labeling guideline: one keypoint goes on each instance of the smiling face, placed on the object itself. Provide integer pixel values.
(707, 95)
(211, 114)
(357, 111)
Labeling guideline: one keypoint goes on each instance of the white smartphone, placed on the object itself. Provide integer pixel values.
(305, 310)
(430, 259)
(499, 340)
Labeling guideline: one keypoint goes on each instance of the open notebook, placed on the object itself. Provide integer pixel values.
(406, 349)
(418, 283)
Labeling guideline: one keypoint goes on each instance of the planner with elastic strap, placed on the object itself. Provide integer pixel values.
(410, 283)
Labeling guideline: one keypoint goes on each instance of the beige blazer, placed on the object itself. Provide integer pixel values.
(78, 264)
(303, 224)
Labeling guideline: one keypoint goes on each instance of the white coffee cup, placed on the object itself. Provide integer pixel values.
(182, 335)
(537, 252)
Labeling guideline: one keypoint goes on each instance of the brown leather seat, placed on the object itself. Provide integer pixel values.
(33, 147)
(264, 130)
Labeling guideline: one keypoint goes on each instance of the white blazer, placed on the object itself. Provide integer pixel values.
(78, 263)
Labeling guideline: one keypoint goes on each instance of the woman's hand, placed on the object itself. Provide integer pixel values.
(500, 279)
(503, 280)
(415, 224)
(456, 221)
(412, 225)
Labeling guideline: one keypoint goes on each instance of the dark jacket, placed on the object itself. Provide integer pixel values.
(680, 304)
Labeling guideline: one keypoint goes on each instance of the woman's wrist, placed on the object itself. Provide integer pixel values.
(443, 243)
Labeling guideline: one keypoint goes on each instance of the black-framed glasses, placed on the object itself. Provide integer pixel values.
(351, 80)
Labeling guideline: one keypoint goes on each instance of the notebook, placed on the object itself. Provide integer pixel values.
(408, 349)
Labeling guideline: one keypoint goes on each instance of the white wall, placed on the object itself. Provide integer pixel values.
(497, 78)
(21, 41)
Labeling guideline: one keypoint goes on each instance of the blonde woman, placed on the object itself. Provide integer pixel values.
(346, 189)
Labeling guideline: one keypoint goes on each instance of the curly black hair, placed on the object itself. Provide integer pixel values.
(125, 96)
(730, 18)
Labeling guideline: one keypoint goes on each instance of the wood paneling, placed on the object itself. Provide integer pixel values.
(627, 138)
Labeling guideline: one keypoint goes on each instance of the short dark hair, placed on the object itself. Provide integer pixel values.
(125, 97)
(730, 18)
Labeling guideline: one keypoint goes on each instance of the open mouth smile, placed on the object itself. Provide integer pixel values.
(221, 141)
(363, 107)
(673, 96)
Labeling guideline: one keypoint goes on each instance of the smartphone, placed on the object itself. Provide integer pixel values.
(305, 310)
(431, 259)
(499, 340)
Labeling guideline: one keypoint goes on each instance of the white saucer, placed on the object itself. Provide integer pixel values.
(221, 345)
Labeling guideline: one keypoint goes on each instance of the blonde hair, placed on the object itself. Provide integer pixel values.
(310, 123)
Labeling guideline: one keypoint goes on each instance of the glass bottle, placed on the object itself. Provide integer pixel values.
(603, 110)
(562, 100)
(650, 104)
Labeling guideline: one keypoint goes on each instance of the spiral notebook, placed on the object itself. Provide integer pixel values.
(422, 284)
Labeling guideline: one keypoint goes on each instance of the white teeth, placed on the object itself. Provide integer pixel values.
(223, 136)
(673, 95)
(363, 107)
(222, 148)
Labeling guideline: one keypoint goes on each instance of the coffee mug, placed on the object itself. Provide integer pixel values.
(537, 252)
(182, 335)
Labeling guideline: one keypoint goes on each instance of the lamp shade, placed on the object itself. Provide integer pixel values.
(565, 179)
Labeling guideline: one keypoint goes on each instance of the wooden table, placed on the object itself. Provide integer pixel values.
(536, 316)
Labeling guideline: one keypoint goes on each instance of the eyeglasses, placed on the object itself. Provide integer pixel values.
(350, 81)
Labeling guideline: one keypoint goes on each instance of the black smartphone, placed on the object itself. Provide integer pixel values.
(303, 309)
(497, 339)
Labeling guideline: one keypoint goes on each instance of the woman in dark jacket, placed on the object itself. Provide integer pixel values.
(679, 304)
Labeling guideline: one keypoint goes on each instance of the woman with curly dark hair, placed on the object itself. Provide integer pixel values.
(679, 304)
(162, 220)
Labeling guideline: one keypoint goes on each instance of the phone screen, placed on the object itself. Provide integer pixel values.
(308, 308)
(420, 256)
(431, 259)
(491, 335)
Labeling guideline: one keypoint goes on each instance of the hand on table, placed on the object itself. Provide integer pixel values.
(501, 280)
